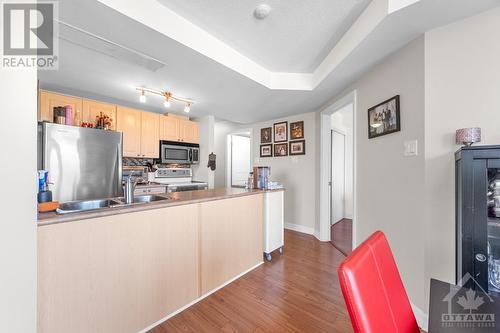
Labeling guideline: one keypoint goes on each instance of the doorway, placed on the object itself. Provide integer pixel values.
(337, 174)
(341, 181)
(338, 177)
(239, 153)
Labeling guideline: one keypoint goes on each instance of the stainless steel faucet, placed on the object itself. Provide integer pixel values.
(129, 189)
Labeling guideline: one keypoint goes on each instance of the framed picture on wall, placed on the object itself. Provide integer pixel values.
(298, 147)
(281, 132)
(384, 118)
(266, 150)
(266, 135)
(280, 149)
(297, 130)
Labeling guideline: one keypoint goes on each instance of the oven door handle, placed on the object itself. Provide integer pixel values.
(190, 155)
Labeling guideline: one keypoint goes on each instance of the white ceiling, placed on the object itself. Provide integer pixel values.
(295, 37)
(216, 87)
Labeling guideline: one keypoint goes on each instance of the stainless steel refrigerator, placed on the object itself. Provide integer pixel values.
(83, 163)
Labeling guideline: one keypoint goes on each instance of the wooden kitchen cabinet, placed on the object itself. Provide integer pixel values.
(128, 121)
(174, 128)
(91, 109)
(117, 273)
(169, 128)
(231, 242)
(188, 131)
(49, 100)
(150, 137)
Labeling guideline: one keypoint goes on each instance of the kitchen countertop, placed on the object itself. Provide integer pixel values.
(175, 199)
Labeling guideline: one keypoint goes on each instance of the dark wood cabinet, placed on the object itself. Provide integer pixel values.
(477, 220)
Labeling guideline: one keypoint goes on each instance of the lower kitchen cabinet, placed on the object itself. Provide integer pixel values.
(231, 239)
(117, 273)
(123, 273)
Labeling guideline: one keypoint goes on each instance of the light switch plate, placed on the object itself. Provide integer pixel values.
(411, 148)
(295, 160)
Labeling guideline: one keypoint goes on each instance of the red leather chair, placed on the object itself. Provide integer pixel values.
(373, 291)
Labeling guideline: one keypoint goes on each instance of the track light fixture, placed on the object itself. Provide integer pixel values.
(142, 97)
(168, 98)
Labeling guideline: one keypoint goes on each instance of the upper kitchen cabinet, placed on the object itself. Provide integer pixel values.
(150, 136)
(91, 109)
(175, 128)
(188, 131)
(49, 100)
(169, 128)
(128, 121)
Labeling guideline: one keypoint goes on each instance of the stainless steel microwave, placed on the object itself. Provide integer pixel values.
(179, 152)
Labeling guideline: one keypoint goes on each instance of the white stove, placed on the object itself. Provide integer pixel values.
(178, 179)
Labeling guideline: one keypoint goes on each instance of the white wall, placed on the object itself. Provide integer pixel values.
(207, 145)
(297, 173)
(390, 187)
(342, 120)
(221, 130)
(18, 105)
(462, 90)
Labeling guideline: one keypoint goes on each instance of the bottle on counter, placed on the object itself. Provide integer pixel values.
(250, 185)
(69, 116)
(59, 115)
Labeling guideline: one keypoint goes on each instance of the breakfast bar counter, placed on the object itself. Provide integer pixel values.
(174, 199)
(127, 269)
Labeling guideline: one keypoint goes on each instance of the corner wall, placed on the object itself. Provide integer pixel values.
(18, 140)
(462, 90)
(389, 186)
(297, 173)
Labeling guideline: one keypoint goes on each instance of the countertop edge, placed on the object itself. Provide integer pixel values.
(60, 219)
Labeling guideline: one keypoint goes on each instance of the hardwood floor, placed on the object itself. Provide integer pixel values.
(296, 292)
(341, 236)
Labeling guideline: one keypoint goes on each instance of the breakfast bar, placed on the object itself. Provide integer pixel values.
(126, 269)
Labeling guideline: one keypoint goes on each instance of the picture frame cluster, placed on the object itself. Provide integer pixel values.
(275, 140)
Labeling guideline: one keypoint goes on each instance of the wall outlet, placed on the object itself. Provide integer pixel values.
(411, 148)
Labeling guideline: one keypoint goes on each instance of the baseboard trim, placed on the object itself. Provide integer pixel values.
(150, 327)
(299, 228)
(421, 317)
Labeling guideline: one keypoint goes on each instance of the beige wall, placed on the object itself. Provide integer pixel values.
(297, 173)
(462, 90)
(18, 105)
(390, 186)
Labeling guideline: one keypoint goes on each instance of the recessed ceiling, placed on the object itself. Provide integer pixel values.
(295, 37)
(216, 87)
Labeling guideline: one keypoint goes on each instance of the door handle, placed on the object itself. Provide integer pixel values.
(480, 257)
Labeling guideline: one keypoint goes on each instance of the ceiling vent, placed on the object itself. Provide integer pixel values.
(85, 39)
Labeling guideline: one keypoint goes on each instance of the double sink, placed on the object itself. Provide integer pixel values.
(87, 205)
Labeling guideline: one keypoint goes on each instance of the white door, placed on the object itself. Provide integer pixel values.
(338, 177)
(240, 160)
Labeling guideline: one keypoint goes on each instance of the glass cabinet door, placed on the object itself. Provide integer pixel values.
(493, 247)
